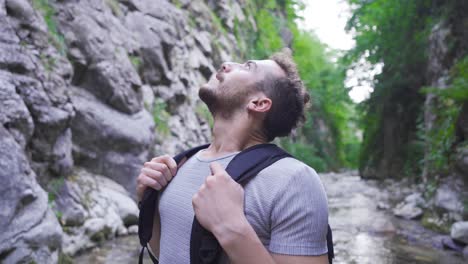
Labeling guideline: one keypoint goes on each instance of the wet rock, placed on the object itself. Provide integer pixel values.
(448, 198)
(407, 211)
(96, 229)
(383, 206)
(382, 226)
(448, 243)
(133, 229)
(416, 199)
(459, 232)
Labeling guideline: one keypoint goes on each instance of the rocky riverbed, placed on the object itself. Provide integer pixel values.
(364, 230)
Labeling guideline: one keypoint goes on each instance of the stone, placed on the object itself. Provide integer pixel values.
(448, 243)
(122, 231)
(383, 206)
(407, 211)
(101, 206)
(448, 198)
(382, 226)
(15, 115)
(461, 159)
(133, 229)
(109, 142)
(416, 199)
(459, 232)
(28, 227)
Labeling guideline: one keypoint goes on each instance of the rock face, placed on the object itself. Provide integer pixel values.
(29, 230)
(92, 208)
(89, 90)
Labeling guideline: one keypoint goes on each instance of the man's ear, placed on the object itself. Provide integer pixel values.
(260, 104)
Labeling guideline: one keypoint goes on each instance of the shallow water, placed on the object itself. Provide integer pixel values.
(361, 232)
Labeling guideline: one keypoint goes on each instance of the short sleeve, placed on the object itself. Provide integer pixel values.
(299, 216)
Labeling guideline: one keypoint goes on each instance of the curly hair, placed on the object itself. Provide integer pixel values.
(289, 97)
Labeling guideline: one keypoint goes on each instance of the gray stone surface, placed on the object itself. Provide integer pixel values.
(29, 230)
(447, 197)
(408, 211)
(93, 208)
(459, 232)
(109, 142)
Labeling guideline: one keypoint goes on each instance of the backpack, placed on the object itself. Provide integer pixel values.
(204, 248)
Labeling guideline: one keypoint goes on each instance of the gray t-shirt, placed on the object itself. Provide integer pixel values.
(285, 204)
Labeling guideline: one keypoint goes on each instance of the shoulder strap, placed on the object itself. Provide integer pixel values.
(204, 248)
(149, 203)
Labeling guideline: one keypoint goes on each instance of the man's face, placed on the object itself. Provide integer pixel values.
(228, 90)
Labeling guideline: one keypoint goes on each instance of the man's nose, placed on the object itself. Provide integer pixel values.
(227, 66)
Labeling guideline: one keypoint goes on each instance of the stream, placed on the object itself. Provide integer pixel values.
(361, 232)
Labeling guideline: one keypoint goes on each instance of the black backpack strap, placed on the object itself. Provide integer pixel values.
(142, 252)
(204, 248)
(149, 203)
(331, 251)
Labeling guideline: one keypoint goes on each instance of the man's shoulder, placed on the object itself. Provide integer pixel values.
(286, 170)
(288, 166)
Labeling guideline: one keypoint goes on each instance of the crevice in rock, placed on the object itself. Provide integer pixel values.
(6, 253)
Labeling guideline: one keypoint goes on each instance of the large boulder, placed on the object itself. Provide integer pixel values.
(29, 231)
(459, 232)
(109, 142)
(448, 197)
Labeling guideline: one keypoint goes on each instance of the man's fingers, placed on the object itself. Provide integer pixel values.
(169, 161)
(216, 168)
(156, 175)
(161, 167)
(147, 181)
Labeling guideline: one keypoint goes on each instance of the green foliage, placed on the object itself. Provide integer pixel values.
(440, 137)
(47, 61)
(395, 33)
(306, 153)
(53, 188)
(458, 88)
(177, 3)
(114, 6)
(268, 39)
(136, 61)
(64, 259)
(161, 117)
(48, 13)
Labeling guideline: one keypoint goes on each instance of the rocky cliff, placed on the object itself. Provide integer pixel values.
(89, 90)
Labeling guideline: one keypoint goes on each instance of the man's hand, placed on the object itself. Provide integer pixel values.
(219, 203)
(156, 174)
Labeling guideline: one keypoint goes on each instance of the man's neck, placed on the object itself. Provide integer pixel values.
(232, 135)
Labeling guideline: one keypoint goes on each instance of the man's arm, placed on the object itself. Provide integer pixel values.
(243, 246)
(156, 174)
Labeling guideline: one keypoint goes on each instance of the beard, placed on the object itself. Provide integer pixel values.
(222, 99)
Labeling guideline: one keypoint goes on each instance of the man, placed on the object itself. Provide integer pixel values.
(281, 216)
